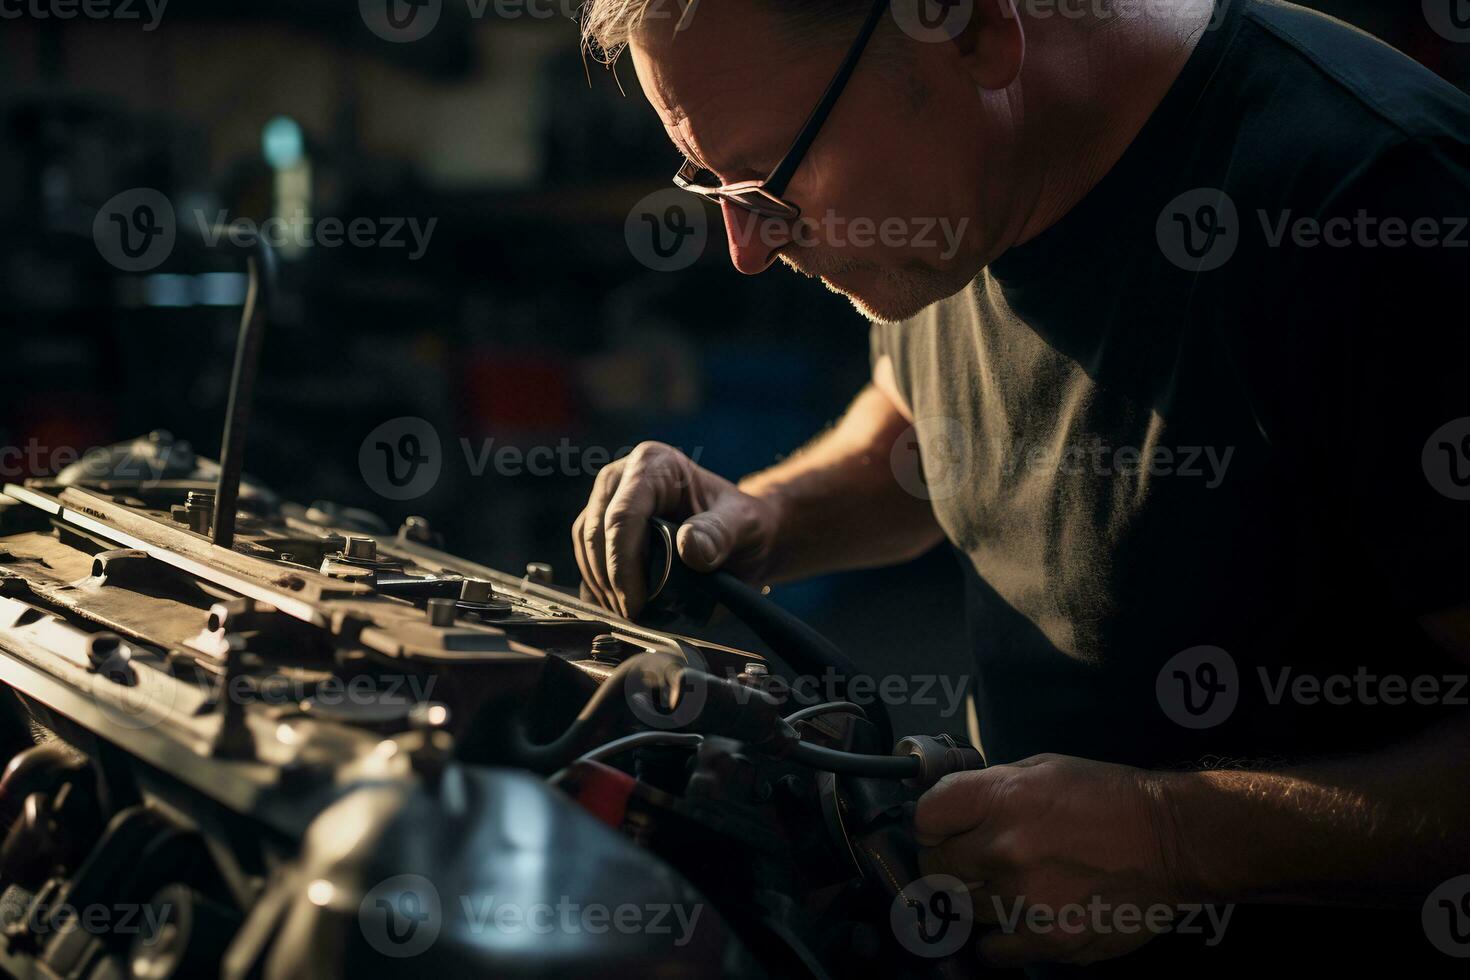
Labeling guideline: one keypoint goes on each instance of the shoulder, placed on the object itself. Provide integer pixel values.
(1351, 72)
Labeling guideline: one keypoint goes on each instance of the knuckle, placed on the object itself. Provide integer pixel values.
(714, 522)
(607, 476)
(622, 516)
(1009, 851)
(647, 453)
(1008, 789)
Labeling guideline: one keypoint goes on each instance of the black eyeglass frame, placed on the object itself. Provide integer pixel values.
(765, 197)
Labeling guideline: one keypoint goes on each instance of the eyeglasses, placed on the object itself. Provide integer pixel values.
(764, 197)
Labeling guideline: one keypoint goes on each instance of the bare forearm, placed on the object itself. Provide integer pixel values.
(841, 506)
(1383, 829)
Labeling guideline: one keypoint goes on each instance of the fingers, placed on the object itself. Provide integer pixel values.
(588, 536)
(969, 857)
(652, 485)
(958, 803)
(589, 589)
(609, 537)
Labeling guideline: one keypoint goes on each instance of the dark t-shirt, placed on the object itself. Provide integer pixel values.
(1204, 444)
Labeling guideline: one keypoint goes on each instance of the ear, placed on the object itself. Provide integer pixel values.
(992, 44)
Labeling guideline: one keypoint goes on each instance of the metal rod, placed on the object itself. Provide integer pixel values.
(261, 268)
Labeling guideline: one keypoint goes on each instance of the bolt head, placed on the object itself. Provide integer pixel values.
(475, 590)
(441, 612)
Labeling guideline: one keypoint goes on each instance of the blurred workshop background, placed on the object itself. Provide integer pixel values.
(526, 321)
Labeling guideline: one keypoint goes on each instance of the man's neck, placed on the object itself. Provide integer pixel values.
(1085, 93)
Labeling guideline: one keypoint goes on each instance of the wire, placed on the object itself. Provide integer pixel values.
(829, 708)
(639, 740)
(852, 764)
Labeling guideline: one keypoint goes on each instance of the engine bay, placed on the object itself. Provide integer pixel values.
(327, 748)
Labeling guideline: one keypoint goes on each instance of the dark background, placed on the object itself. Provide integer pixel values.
(527, 321)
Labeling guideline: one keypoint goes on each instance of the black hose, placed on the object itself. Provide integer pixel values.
(852, 764)
(806, 650)
(603, 715)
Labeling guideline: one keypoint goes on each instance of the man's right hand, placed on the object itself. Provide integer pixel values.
(723, 526)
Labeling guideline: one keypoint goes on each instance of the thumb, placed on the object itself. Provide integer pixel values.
(706, 540)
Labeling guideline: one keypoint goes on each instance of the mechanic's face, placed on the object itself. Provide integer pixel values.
(891, 212)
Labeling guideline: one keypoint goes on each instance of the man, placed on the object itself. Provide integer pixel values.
(1188, 393)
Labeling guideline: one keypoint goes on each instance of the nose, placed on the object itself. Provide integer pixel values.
(754, 239)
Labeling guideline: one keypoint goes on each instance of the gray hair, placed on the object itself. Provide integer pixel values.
(608, 25)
